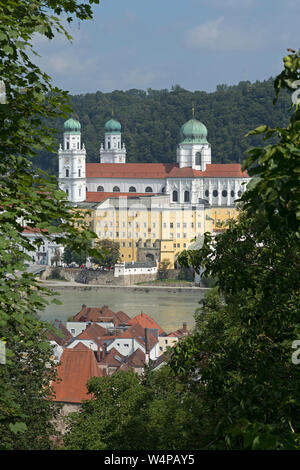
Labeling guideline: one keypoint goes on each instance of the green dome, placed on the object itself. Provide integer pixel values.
(193, 132)
(112, 127)
(72, 125)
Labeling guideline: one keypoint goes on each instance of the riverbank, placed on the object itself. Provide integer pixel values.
(146, 287)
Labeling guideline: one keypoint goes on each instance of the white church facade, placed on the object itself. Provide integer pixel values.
(193, 178)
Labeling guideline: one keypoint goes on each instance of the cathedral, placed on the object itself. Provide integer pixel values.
(191, 179)
(153, 210)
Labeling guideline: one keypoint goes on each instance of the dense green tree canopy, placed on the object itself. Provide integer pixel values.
(151, 120)
(28, 196)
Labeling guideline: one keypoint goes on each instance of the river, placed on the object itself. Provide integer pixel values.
(168, 307)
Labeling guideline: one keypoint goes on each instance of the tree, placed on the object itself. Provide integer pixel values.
(108, 254)
(128, 413)
(28, 195)
(78, 256)
(241, 354)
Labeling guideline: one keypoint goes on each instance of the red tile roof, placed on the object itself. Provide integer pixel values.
(110, 358)
(101, 314)
(146, 322)
(136, 359)
(76, 367)
(94, 314)
(93, 332)
(161, 170)
(101, 196)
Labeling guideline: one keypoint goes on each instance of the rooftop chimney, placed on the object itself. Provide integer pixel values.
(147, 348)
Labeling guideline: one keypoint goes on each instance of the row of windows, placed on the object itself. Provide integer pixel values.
(215, 193)
(132, 189)
(137, 224)
(139, 235)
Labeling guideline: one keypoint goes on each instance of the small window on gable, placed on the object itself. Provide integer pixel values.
(100, 189)
(132, 189)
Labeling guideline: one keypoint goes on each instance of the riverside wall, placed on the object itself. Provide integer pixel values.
(94, 277)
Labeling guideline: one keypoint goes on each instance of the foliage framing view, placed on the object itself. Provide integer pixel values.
(30, 195)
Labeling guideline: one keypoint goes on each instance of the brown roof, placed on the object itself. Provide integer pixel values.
(93, 196)
(161, 170)
(137, 332)
(94, 314)
(137, 359)
(111, 358)
(76, 367)
(145, 321)
(101, 314)
(52, 336)
(93, 332)
(180, 332)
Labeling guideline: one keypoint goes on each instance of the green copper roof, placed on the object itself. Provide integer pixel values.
(193, 132)
(112, 127)
(72, 125)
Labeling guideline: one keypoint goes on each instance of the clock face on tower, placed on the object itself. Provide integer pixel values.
(66, 161)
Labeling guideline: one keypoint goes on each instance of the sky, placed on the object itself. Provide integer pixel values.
(197, 44)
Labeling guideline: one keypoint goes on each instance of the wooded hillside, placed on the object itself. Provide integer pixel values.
(151, 120)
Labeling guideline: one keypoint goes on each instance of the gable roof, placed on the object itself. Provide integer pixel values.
(101, 314)
(76, 367)
(112, 358)
(162, 171)
(145, 321)
(136, 359)
(93, 332)
(52, 336)
(94, 314)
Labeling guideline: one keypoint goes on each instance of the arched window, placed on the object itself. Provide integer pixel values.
(67, 173)
(148, 189)
(116, 189)
(198, 159)
(175, 196)
(100, 188)
(232, 193)
(108, 145)
(67, 145)
(186, 196)
(215, 193)
(224, 193)
(67, 192)
(79, 173)
(239, 193)
(163, 190)
(132, 189)
(206, 193)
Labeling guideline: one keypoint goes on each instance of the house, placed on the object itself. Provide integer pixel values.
(77, 366)
(171, 339)
(136, 337)
(103, 316)
(111, 362)
(145, 321)
(90, 337)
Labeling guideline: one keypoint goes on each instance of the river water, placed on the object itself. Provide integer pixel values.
(168, 307)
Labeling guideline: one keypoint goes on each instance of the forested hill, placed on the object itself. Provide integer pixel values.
(151, 120)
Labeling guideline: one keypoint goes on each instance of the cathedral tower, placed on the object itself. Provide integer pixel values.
(113, 150)
(72, 158)
(194, 150)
